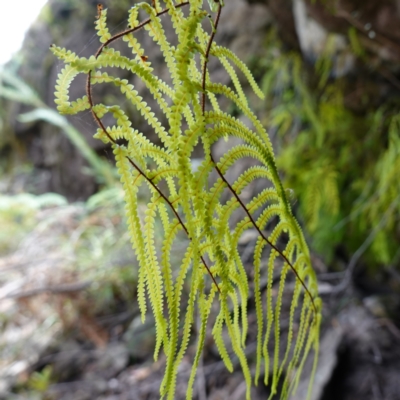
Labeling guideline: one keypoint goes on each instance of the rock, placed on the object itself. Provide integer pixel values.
(70, 360)
(108, 362)
(89, 371)
(140, 338)
(314, 37)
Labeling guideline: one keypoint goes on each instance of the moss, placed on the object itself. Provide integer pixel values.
(332, 151)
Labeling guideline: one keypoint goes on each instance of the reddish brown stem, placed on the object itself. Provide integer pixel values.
(101, 125)
(207, 54)
(221, 175)
(99, 51)
(176, 214)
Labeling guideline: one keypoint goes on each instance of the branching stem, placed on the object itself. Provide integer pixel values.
(221, 175)
(175, 212)
(103, 128)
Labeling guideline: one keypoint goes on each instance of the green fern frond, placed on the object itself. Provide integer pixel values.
(277, 329)
(130, 184)
(79, 105)
(65, 78)
(101, 26)
(63, 54)
(259, 307)
(154, 275)
(219, 51)
(219, 341)
(204, 309)
(269, 309)
(235, 79)
(193, 203)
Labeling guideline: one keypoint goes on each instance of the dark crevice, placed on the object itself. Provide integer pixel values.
(336, 386)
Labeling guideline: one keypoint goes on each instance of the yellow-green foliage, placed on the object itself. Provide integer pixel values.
(342, 166)
(193, 202)
(17, 216)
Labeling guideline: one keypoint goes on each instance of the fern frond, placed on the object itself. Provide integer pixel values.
(132, 95)
(205, 204)
(205, 309)
(176, 15)
(169, 384)
(138, 51)
(154, 275)
(275, 372)
(218, 88)
(259, 309)
(269, 314)
(79, 105)
(171, 231)
(101, 26)
(219, 341)
(237, 348)
(63, 54)
(235, 79)
(65, 78)
(219, 51)
(130, 184)
(293, 306)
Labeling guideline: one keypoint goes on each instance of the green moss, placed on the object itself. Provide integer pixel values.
(340, 162)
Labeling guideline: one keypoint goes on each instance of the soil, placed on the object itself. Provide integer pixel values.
(108, 356)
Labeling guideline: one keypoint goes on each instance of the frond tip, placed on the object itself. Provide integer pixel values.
(199, 208)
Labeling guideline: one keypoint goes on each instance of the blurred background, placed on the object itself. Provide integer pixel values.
(69, 323)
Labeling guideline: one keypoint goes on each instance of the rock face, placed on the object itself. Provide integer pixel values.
(313, 39)
(306, 24)
(59, 167)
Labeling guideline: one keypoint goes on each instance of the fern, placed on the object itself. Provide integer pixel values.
(194, 204)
